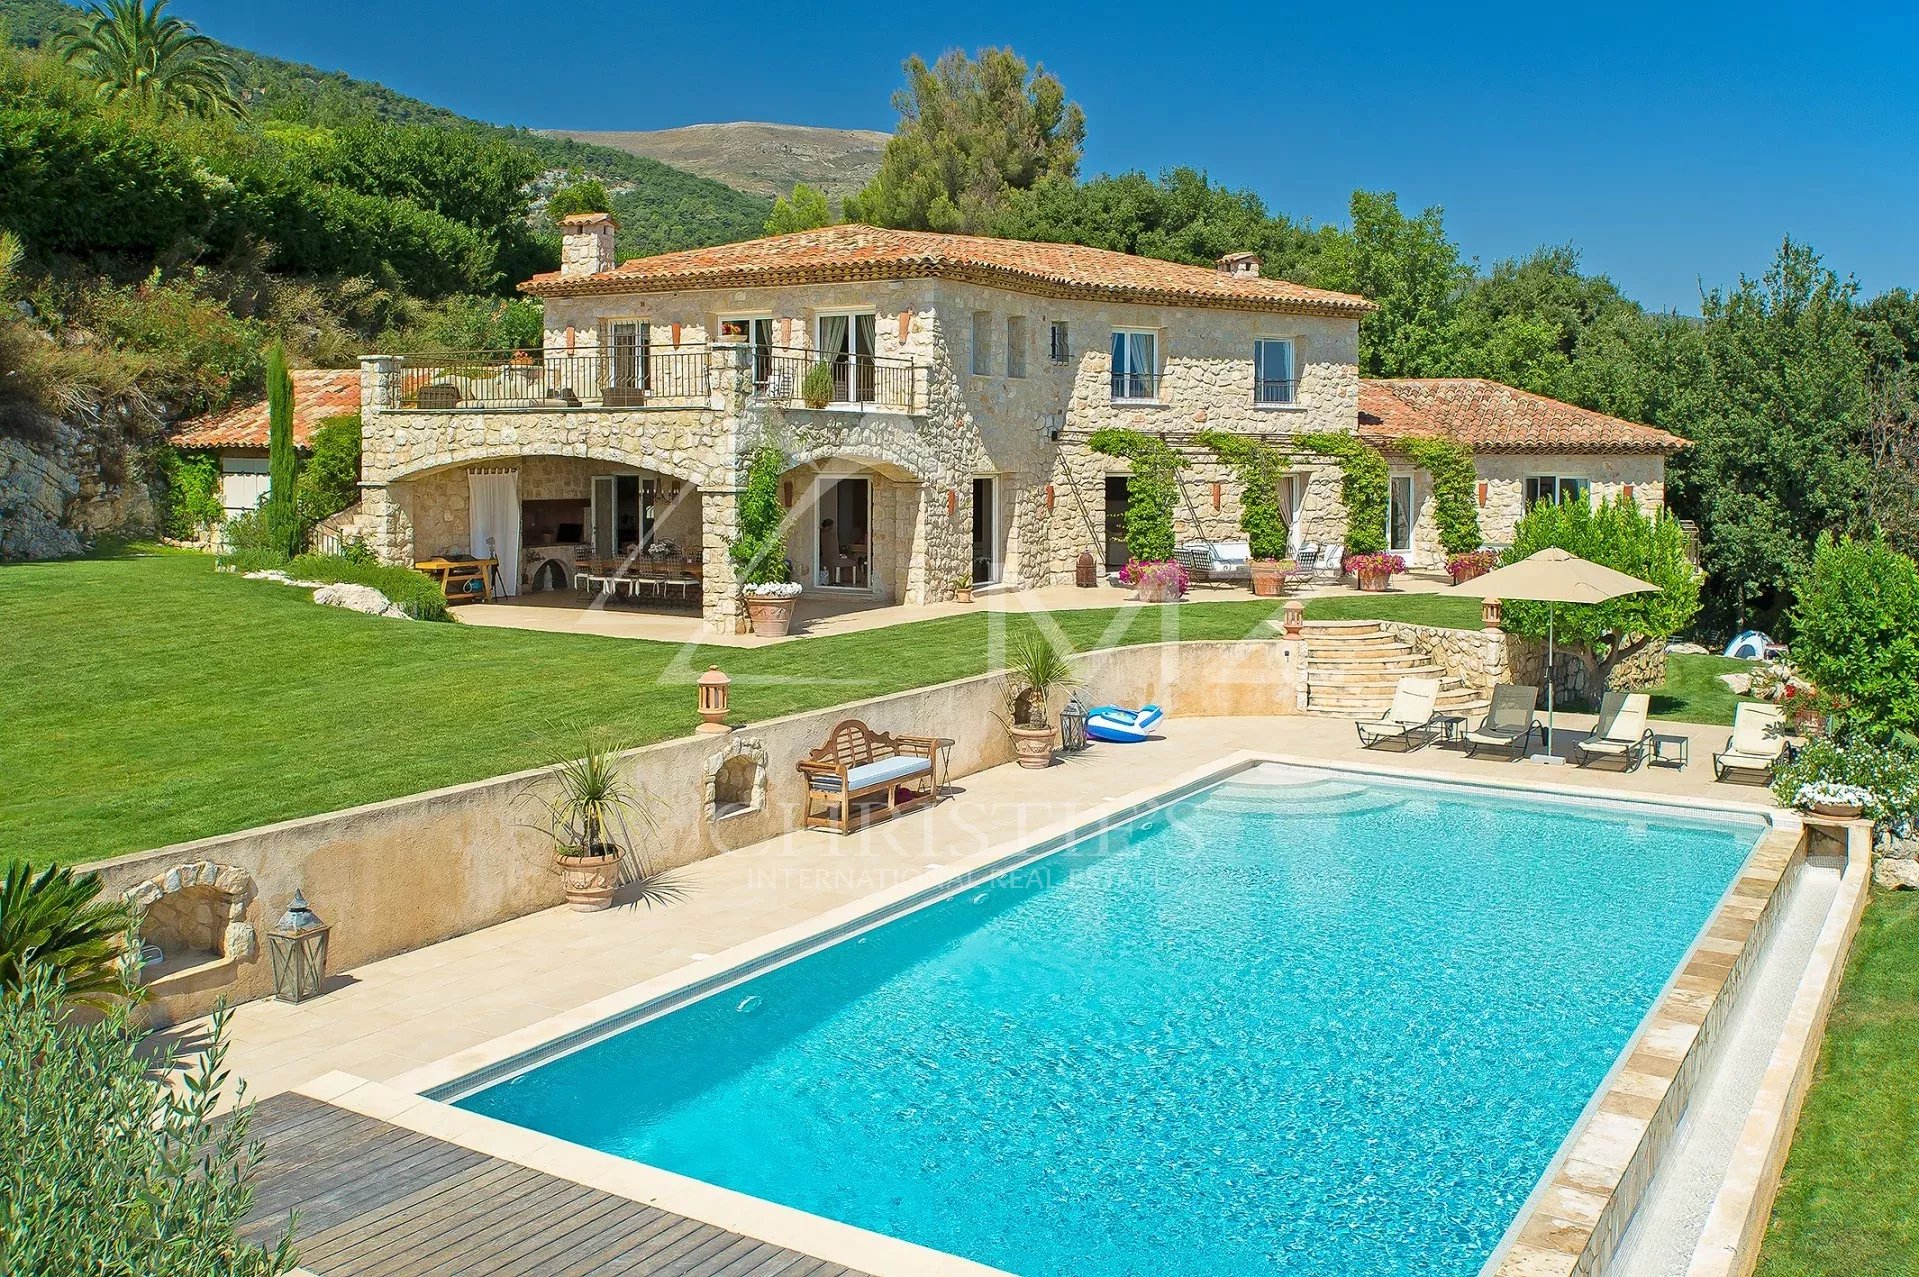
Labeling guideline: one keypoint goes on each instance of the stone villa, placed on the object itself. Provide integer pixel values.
(967, 376)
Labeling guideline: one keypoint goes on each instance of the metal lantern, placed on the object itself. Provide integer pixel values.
(297, 944)
(1072, 725)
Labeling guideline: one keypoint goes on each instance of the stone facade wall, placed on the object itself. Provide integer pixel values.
(396, 875)
(1504, 475)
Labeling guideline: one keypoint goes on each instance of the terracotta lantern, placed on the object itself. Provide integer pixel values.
(1490, 614)
(1295, 617)
(713, 697)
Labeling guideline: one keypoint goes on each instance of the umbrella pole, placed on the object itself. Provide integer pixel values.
(1549, 681)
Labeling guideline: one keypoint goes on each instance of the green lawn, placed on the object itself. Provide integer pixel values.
(1846, 1201)
(1692, 692)
(147, 699)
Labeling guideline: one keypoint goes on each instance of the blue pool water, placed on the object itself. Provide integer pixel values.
(1322, 1027)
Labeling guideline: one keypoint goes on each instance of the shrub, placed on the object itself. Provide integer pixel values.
(759, 551)
(1160, 574)
(192, 503)
(1618, 535)
(330, 480)
(1888, 769)
(1856, 631)
(1454, 505)
(1364, 486)
(816, 388)
(1152, 491)
(55, 921)
(1259, 467)
(115, 1161)
(248, 545)
(1379, 562)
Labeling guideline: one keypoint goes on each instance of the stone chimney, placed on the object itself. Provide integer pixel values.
(1239, 265)
(586, 243)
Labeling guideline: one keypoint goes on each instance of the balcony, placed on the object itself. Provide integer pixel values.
(1276, 393)
(649, 376)
(1137, 387)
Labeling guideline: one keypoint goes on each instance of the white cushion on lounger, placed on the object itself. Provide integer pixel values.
(874, 773)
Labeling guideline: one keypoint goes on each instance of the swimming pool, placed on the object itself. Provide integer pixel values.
(1298, 1022)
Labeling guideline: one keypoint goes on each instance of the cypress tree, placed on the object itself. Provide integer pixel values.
(283, 464)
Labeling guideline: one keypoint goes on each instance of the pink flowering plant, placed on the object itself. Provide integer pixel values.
(1374, 564)
(1155, 574)
(1475, 562)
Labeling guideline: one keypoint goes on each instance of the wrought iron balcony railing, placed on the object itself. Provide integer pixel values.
(1273, 392)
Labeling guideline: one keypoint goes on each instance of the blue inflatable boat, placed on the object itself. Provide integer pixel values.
(1122, 726)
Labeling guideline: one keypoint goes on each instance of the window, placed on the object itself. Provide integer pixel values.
(1016, 345)
(1135, 364)
(752, 337)
(1056, 349)
(1556, 489)
(847, 341)
(1274, 380)
(982, 343)
(1400, 515)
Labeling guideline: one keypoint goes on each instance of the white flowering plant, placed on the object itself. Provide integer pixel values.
(1832, 793)
(772, 589)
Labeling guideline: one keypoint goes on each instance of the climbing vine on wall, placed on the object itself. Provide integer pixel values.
(1451, 466)
(1363, 485)
(1152, 491)
(759, 551)
(1259, 467)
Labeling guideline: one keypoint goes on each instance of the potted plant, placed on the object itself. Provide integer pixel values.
(1464, 567)
(1038, 669)
(963, 588)
(759, 551)
(1373, 571)
(586, 818)
(1831, 798)
(1269, 576)
(816, 388)
(1155, 580)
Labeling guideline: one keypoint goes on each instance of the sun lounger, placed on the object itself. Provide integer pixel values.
(1409, 718)
(1757, 743)
(1510, 721)
(1621, 731)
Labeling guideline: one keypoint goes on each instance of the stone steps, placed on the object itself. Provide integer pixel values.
(1353, 669)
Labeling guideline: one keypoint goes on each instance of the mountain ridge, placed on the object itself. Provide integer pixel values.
(759, 157)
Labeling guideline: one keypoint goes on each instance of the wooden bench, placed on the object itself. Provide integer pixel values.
(857, 762)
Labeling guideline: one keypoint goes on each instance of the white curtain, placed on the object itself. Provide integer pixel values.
(493, 510)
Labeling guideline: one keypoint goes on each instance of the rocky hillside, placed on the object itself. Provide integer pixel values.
(761, 159)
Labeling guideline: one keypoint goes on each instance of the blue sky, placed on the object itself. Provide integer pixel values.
(1671, 145)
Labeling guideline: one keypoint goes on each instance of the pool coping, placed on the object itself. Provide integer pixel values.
(1549, 1234)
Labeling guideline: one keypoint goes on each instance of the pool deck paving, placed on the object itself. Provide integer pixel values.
(399, 1016)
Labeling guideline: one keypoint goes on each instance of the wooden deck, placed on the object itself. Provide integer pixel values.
(374, 1200)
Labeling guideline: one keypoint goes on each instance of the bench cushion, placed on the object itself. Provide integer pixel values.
(886, 769)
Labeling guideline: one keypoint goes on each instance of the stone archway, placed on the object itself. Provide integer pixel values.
(196, 914)
(736, 779)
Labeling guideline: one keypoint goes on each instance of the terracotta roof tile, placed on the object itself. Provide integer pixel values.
(1487, 416)
(318, 393)
(868, 252)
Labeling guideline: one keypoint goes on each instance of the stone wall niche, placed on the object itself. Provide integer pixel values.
(736, 780)
(196, 914)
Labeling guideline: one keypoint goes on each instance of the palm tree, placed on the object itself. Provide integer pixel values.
(160, 62)
(53, 920)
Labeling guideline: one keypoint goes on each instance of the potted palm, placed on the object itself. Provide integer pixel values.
(586, 819)
(1038, 669)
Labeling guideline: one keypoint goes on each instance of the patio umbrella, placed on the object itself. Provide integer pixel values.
(1552, 576)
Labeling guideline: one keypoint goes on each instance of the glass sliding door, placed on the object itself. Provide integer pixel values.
(845, 534)
(847, 343)
(1401, 514)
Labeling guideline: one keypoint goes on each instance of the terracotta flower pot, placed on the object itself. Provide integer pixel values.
(1839, 811)
(1033, 746)
(1462, 575)
(1374, 582)
(963, 595)
(1269, 577)
(1156, 593)
(589, 880)
(772, 617)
